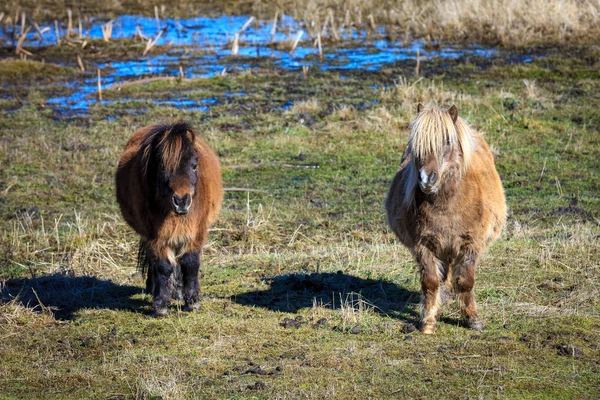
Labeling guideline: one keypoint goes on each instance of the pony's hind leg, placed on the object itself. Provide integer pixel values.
(430, 290)
(464, 280)
(190, 265)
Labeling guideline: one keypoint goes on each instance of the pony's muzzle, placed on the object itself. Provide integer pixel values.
(427, 182)
(181, 205)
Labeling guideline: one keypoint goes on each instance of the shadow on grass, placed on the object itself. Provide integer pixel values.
(64, 295)
(292, 292)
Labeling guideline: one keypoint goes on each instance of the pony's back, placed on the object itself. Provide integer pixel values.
(130, 185)
(482, 174)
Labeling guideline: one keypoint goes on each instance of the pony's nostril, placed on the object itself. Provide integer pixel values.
(181, 205)
(433, 178)
(177, 201)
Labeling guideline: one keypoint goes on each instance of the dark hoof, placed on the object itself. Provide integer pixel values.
(192, 307)
(160, 312)
(474, 323)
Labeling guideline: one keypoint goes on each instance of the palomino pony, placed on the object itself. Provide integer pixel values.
(169, 190)
(446, 204)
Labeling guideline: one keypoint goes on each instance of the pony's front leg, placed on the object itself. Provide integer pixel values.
(463, 281)
(430, 289)
(190, 265)
(161, 298)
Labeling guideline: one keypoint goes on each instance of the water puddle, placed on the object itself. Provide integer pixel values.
(202, 44)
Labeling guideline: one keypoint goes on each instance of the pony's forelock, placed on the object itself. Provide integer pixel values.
(432, 128)
(169, 141)
(429, 131)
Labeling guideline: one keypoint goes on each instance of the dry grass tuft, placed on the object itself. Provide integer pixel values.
(505, 22)
(354, 309)
(305, 106)
(407, 94)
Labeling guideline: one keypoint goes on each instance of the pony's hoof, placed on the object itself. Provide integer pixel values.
(160, 312)
(474, 323)
(428, 329)
(192, 307)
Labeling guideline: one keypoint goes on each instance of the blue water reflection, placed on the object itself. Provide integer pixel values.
(203, 43)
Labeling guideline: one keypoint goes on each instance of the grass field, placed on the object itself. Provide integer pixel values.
(307, 294)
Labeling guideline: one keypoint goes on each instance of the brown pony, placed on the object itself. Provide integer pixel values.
(169, 191)
(446, 204)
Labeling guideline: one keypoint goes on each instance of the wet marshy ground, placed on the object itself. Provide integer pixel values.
(139, 49)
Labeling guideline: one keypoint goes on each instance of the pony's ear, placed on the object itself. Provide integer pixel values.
(420, 107)
(191, 135)
(453, 111)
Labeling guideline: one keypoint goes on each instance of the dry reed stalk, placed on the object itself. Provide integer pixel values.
(273, 28)
(19, 49)
(418, 66)
(246, 25)
(99, 86)
(543, 169)
(151, 43)
(57, 33)
(23, 20)
(1, 16)
(305, 71)
(332, 22)
(156, 17)
(372, 22)
(181, 76)
(300, 34)
(139, 34)
(320, 47)
(80, 62)
(107, 30)
(235, 47)
(80, 28)
(324, 27)
(70, 23)
(39, 31)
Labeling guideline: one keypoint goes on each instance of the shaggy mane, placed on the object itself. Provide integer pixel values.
(429, 132)
(169, 141)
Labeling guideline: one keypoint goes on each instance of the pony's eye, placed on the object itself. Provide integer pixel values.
(194, 166)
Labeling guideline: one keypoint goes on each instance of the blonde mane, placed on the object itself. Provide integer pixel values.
(429, 132)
